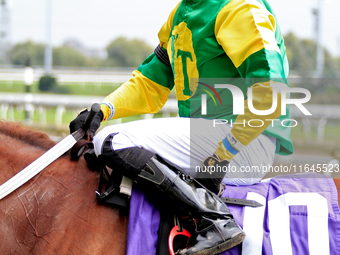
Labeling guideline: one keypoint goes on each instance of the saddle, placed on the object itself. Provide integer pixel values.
(115, 190)
(296, 194)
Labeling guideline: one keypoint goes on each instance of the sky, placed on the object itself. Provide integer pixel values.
(95, 23)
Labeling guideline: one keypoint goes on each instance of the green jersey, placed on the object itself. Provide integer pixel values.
(235, 42)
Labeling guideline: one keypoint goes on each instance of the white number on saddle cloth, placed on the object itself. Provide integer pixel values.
(279, 223)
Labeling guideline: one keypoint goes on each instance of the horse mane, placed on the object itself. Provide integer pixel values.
(26, 135)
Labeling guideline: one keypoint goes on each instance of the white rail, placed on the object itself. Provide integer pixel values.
(40, 102)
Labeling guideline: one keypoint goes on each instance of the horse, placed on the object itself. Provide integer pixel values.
(56, 212)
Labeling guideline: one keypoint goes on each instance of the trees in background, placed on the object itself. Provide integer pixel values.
(27, 50)
(302, 57)
(66, 56)
(62, 56)
(123, 52)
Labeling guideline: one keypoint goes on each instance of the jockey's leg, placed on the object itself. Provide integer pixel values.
(143, 150)
(187, 142)
(215, 230)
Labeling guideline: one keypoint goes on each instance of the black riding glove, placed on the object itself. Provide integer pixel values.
(79, 121)
(217, 169)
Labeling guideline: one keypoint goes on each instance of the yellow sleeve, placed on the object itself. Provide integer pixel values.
(149, 88)
(244, 27)
(250, 125)
(246, 31)
(139, 95)
(262, 99)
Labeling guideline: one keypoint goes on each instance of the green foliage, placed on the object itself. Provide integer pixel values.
(123, 52)
(47, 83)
(66, 56)
(27, 50)
(301, 54)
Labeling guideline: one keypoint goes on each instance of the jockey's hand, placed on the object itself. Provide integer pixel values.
(214, 163)
(79, 121)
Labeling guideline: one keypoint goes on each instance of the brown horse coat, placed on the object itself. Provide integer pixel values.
(56, 212)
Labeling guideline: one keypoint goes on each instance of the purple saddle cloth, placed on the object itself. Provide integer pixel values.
(298, 216)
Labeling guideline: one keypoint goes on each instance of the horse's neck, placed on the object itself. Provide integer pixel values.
(58, 202)
(17, 153)
(26, 135)
(21, 145)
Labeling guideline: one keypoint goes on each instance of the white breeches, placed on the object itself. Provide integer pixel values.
(187, 142)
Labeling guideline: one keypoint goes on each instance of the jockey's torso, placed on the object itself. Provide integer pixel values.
(208, 43)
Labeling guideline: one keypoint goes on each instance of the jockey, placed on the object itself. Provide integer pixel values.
(203, 43)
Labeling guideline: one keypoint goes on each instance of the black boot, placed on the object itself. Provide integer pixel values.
(213, 236)
(216, 229)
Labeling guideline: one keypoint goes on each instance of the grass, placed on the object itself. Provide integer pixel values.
(93, 89)
(70, 88)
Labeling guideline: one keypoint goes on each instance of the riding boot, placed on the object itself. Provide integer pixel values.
(215, 230)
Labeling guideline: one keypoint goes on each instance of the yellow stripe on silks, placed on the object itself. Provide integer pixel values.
(244, 27)
(164, 33)
(262, 100)
(139, 95)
